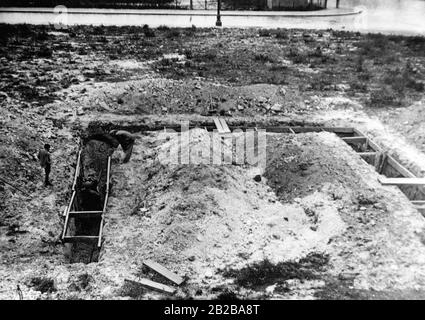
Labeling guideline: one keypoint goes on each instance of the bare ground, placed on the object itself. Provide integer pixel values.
(317, 225)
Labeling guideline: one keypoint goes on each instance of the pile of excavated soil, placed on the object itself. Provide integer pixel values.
(199, 220)
(318, 206)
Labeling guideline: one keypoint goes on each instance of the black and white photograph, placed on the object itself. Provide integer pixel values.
(231, 152)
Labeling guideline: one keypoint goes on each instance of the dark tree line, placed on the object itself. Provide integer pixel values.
(120, 4)
(169, 4)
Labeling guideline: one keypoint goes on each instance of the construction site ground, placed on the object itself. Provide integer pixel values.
(317, 224)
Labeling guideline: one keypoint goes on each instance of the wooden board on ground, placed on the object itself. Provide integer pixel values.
(153, 285)
(217, 123)
(402, 181)
(164, 271)
(224, 125)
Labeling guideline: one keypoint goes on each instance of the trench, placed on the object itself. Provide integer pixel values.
(88, 205)
(368, 150)
(92, 183)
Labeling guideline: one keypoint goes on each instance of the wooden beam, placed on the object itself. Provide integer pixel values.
(164, 272)
(224, 125)
(354, 140)
(372, 145)
(153, 285)
(398, 167)
(305, 129)
(218, 125)
(108, 172)
(85, 214)
(366, 154)
(73, 239)
(65, 226)
(402, 181)
(339, 129)
(370, 142)
(421, 209)
(77, 171)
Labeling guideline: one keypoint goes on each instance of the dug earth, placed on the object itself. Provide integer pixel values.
(313, 222)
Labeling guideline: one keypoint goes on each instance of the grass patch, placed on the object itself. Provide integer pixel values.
(132, 289)
(172, 33)
(44, 285)
(265, 273)
(148, 32)
(384, 97)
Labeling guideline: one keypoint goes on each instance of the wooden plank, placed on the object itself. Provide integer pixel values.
(108, 172)
(77, 171)
(224, 125)
(218, 125)
(398, 167)
(65, 226)
(153, 285)
(421, 209)
(418, 202)
(402, 181)
(366, 154)
(73, 239)
(163, 271)
(306, 129)
(354, 140)
(358, 132)
(371, 144)
(339, 129)
(85, 214)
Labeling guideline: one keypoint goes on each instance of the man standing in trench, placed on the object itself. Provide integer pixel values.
(126, 140)
(45, 162)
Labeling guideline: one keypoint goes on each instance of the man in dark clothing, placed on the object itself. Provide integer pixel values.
(105, 137)
(126, 140)
(45, 162)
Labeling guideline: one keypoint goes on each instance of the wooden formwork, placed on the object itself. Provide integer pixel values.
(72, 211)
(386, 165)
(364, 146)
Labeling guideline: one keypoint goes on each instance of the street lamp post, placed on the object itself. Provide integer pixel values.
(218, 22)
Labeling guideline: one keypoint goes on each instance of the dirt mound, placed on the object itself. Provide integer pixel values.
(300, 164)
(197, 219)
(197, 146)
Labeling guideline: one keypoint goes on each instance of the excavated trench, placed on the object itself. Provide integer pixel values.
(95, 155)
(90, 196)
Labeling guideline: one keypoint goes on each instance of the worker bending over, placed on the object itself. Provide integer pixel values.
(126, 140)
